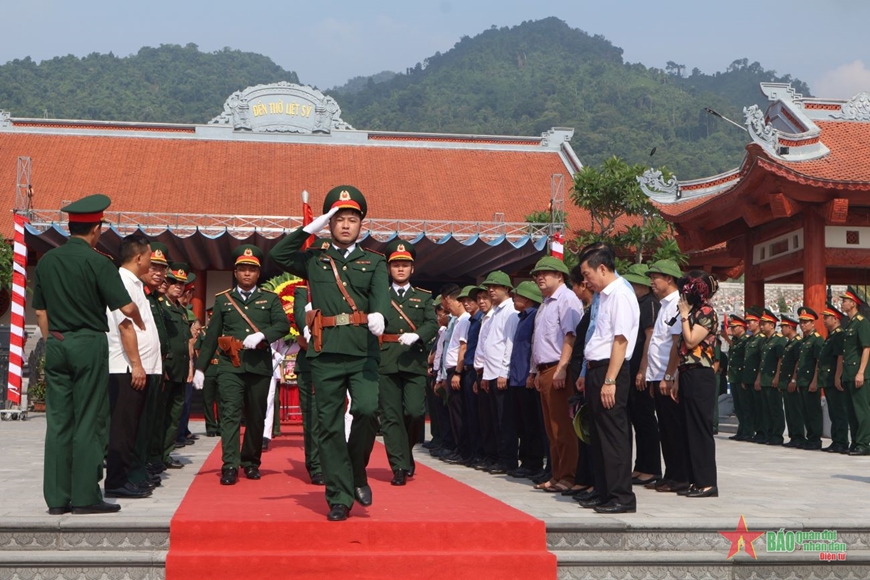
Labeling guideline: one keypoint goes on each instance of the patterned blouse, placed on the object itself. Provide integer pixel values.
(704, 353)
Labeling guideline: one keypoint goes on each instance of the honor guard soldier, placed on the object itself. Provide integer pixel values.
(736, 338)
(772, 346)
(307, 403)
(830, 379)
(806, 379)
(349, 296)
(410, 325)
(856, 371)
(787, 385)
(74, 284)
(751, 362)
(245, 321)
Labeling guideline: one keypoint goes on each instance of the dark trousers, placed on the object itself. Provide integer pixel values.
(431, 401)
(505, 427)
(442, 414)
(529, 427)
(175, 392)
(125, 408)
(670, 419)
(743, 393)
(774, 419)
(209, 402)
(472, 412)
(401, 400)
(456, 407)
(811, 411)
(794, 416)
(642, 411)
(486, 403)
(759, 413)
(242, 395)
(836, 400)
(611, 436)
(183, 430)
(697, 393)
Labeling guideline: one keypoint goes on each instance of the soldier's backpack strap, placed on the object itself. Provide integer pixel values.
(403, 315)
(340, 285)
(239, 310)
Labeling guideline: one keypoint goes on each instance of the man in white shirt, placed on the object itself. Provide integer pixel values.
(496, 357)
(662, 362)
(135, 365)
(607, 384)
(454, 354)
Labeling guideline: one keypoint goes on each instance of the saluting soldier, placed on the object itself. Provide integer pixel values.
(751, 363)
(402, 387)
(772, 346)
(74, 284)
(307, 404)
(787, 384)
(856, 371)
(245, 321)
(349, 296)
(736, 338)
(830, 379)
(807, 379)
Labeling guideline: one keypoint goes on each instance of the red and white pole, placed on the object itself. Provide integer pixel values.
(16, 337)
(557, 247)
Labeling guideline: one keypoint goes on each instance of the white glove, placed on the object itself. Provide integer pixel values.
(408, 338)
(376, 323)
(319, 223)
(307, 334)
(198, 380)
(253, 340)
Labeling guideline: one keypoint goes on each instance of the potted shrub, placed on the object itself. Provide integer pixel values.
(36, 389)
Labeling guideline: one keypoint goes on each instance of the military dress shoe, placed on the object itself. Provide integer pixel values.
(317, 479)
(497, 470)
(97, 508)
(585, 495)
(792, 443)
(145, 485)
(182, 443)
(252, 472)
(519, 472)
(734, 437)
(338, 513)
(858, 451)
(363, 495)
(413, 470)
(673, 486)
(594, 501)
(129, 491)
(229, 476)
(398, 477)
(700, 492)
(192, 437)
(613, 507)
(59, 511)
(452, 458)
(777, 442)
(173, 463)
(811, 446)
(155, 468)
(266, 441)
(212, 434)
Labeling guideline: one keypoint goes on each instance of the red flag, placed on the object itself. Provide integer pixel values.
(307, 218)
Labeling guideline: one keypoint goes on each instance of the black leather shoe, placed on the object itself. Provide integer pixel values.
(497, 470)
(128, 491)
(154, 480)
(59, 511)
(398, 477)
(317, 479)
(173, 463)
(155, 468)
(777, 442)
(363, 495)
(97, 508)
(672, 487)
(192, 437)
(180, 444)
(639, 481)
(338, 513)
(687, 491)
(792, 443)
(252, 472)
(700, 492)
(734, 437)
(541, 477)
(229, 476)
(145, 485)
(413, 470)
(266, 441)
(613, 507)
(811, 446)
(452, 458)
(585, 495)
(594, 501)
(212, 434)
(519, 472)
(859, 451)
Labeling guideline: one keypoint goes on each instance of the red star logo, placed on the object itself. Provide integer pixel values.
(742, 538)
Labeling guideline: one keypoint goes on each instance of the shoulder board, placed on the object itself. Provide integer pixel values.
(373, 252)
(104, 255)
(224, 292)
(838, 329)
(860, 317)
(778, 335)
(797, 338)
(422, 290)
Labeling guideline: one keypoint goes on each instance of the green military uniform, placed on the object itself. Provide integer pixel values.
(808, 386)
(209, 391)
(402, 385)
(794, 419)
(244, 388)
(829, 357)
(772, 419)
(73, 286)
(752, 398)
(349, 357)
(855, 341)
(176, 370)
(735, 378)
(310, 422)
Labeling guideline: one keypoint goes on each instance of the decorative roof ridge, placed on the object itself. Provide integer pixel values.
(673, 191)
(8, 121)
(784, 131)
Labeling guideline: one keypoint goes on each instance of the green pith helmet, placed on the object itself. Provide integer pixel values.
(637, 274)
(345, 197)
(666, 267)
(552, 264)
(530, 290)
(498, 278)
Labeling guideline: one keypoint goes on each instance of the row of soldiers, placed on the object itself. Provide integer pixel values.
(770, 370)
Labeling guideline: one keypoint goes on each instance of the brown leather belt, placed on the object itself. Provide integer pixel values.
(547, 365)
(356, 319)
(390, 337)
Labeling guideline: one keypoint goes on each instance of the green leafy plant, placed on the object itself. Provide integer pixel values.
(36, 389)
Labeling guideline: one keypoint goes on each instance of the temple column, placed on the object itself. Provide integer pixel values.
(199, 290)
(753, 289)
(815, 275)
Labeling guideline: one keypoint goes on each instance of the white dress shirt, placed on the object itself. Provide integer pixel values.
(481, 339)
(460, 334)
(618, 315)
(148, 339)
(499, 344)
(404, 289)
(662, 338)
(345, 252)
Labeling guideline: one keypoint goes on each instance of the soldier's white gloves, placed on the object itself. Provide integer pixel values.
(253, 340)
(376, 323)
(198, 380)
(320, 222)
(408, 338)
(307, 334)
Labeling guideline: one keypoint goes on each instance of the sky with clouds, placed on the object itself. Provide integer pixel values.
(327, 42)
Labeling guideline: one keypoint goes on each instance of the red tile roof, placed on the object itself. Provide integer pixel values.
(196, 176)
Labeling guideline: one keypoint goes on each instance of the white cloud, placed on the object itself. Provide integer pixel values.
(844, 82)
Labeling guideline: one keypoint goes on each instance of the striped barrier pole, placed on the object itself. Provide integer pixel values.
(16, 336)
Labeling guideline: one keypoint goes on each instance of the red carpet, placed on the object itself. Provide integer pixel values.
(434, 527)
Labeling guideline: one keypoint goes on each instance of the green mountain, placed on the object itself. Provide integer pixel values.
(528, 78)
(171, 84)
